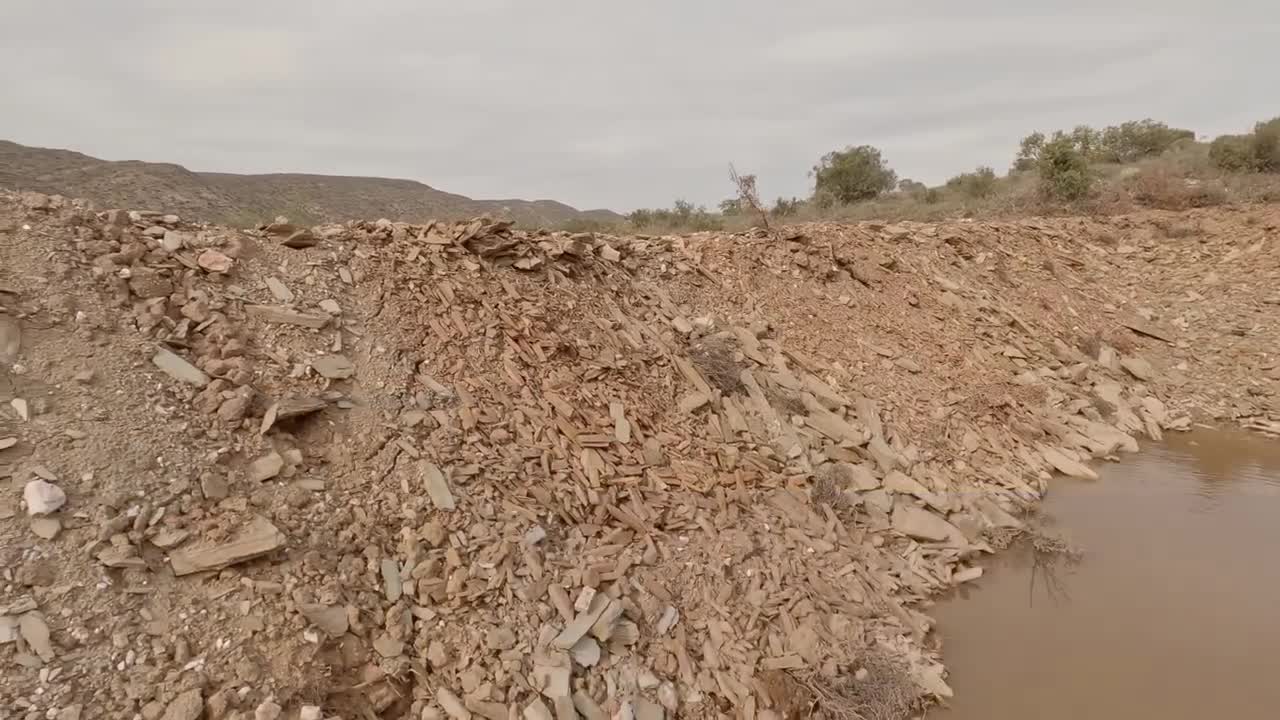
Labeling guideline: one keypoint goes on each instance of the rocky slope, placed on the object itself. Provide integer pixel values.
(390, 470)
(246, 200)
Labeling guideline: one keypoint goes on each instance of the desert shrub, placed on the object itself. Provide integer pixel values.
(1233, 153)
(980, 183)
(1064, 170)
(730, 206)
(683, 215)
(911, 187)
(592, 225)
(853, 174)
(1159, 186)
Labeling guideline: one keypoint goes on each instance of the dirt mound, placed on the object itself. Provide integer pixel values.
(389, 470)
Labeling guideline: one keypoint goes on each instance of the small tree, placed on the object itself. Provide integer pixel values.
(1029, 151)
(730, 206)
(748, 196)
(853, 174)
(1136, 139)
(682, 210)
(1064, 170)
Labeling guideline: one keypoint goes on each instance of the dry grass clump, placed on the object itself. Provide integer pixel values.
(885, 692)
(714, 357)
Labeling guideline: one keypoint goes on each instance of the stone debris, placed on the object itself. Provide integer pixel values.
(258, 538)
(559, 474)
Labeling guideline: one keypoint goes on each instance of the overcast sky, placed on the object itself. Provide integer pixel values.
(616, 104)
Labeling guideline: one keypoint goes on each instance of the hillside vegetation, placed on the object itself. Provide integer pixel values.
(245, 200)
(1120, 168)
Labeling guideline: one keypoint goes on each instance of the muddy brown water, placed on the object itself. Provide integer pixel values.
(1172, 611)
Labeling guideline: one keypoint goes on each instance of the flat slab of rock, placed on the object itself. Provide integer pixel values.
(333, 367)
(36, 633)
(266, 467)
(10, 338)
(179, 369)
(331, 619)
(285, 316)
(289, 408)
(187, 706)
(258, 538)
(1067, 466)
(1143, 326)
(921, 524)
(1137, 367)
(437, 487)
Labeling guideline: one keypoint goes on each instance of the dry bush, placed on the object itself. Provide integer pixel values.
(1178, 230)
(1090, 345)
(886, 693)
(713, 356)
(785, 400)
(1160, 186)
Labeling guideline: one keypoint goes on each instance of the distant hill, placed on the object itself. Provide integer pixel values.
(250, 199)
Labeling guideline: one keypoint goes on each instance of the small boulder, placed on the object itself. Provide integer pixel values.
(43, 497)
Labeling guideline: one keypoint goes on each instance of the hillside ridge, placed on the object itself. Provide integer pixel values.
(248, 199)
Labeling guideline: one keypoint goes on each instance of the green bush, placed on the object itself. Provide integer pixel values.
(851, 175)
(786, 208)
(1123, 143)
(683, 215)
(1233, 153)
(980, 183)
(1266, 146)
(1064, 170)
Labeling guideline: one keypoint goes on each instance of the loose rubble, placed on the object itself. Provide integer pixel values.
(463, 470)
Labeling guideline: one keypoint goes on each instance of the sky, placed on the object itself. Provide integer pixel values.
(616, 104)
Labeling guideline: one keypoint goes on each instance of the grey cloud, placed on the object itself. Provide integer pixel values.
(614, 104)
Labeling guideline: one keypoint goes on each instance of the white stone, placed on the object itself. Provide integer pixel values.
(43, 497)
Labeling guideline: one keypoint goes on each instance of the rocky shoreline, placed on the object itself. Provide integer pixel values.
(386, 470)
